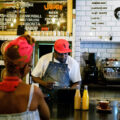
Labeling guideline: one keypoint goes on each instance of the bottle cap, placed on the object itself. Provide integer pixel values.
(85, 87)
(77, 86)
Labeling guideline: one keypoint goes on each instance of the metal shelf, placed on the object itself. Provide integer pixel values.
(97, 41)
(37, 38)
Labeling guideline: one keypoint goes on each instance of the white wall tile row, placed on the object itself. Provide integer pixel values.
(101, 50)
(93, 50)
(104, 50)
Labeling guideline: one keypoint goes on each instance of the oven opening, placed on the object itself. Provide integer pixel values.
(45, 48)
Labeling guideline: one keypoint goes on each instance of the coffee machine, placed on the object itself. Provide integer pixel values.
(110, 69)
(90, 69)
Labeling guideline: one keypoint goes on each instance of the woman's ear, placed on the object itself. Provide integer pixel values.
(25, 70)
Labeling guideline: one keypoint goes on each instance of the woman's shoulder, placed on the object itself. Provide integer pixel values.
(37, 91)
(26, 87)
(23, 84)
(23, 88)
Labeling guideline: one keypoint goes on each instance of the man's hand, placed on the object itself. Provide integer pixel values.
(49, 84)
(75, 85)
(46, 84)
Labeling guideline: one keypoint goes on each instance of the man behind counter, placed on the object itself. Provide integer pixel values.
(57, 69)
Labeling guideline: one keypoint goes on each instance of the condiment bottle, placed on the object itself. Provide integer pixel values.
(85, 99)
(77, 98)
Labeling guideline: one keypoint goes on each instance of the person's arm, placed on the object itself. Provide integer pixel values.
(46, 84)
(42, 105)
(75, 75)
(74, 85)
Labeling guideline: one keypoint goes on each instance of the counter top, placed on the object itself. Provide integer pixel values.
(103, 86)
(65, 111)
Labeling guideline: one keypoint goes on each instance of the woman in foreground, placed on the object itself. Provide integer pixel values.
(20, 101)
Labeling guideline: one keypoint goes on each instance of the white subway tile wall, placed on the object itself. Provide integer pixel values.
(97, 14)
(95, 21)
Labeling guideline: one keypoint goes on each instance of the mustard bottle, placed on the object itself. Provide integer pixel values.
(77, 99)
(85, 99)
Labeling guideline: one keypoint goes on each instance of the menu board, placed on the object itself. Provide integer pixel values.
(8, 19)
(38, 16)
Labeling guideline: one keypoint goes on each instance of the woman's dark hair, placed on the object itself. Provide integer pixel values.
(13, 54)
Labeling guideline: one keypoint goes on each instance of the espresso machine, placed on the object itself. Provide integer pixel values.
(90, 70)
(111, 72)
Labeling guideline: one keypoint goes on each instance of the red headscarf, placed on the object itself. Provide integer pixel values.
(24, 48)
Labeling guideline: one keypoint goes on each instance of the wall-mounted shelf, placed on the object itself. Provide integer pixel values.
(38, 38)
(93, 41)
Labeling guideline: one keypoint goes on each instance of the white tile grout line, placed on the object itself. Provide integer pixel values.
(102, 98)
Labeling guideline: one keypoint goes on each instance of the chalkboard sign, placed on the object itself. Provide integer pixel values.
(38, 16)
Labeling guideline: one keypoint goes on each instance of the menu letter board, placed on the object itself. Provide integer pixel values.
(35, 16)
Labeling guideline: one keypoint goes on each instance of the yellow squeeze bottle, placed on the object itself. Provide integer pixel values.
(77, 99)
(85, 99)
